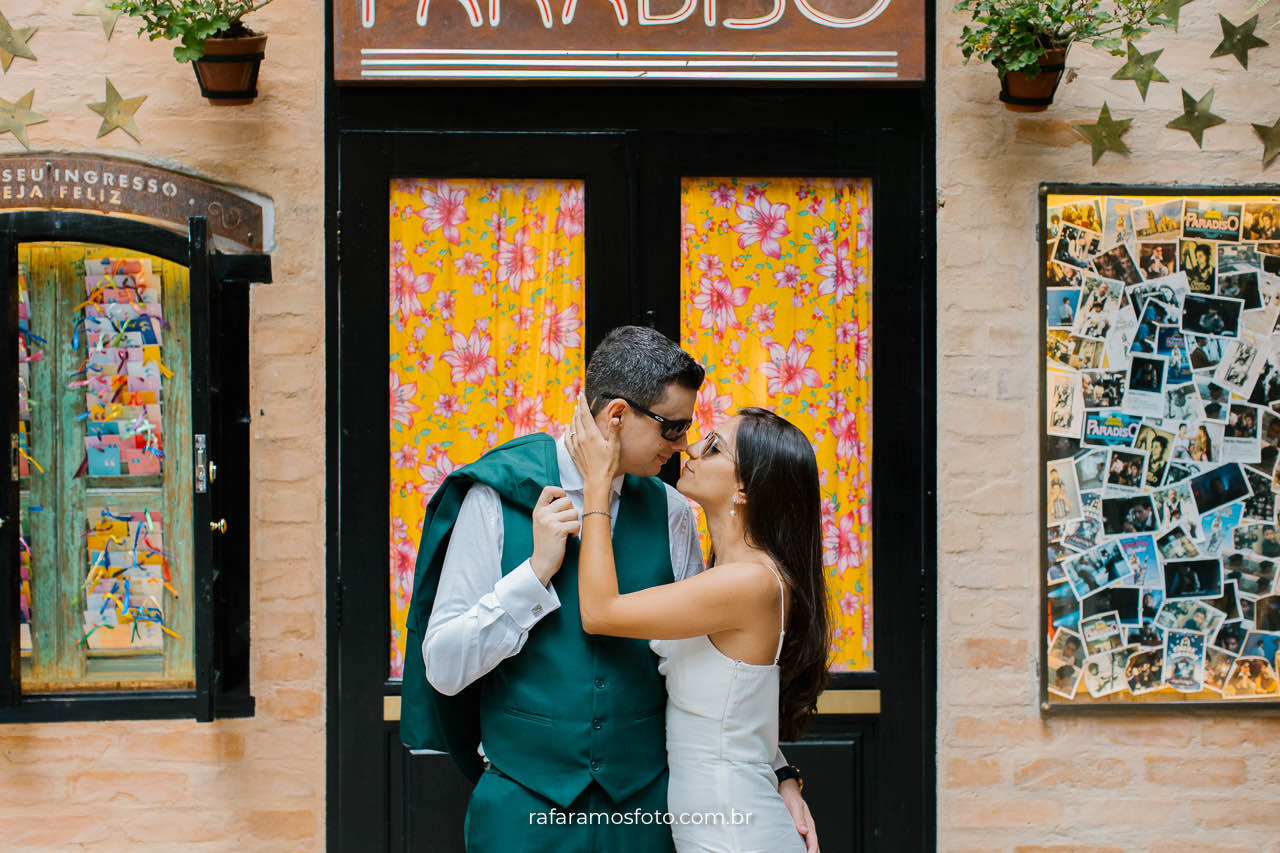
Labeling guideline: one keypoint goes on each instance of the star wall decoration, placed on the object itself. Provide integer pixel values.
(1169, 11)
(14, 42)
(117, 112)
(1238, 41)
(1270, 136)
(15, 117)
(99, 9)
(1104, 134)
(1141, 69)
(1196, 117)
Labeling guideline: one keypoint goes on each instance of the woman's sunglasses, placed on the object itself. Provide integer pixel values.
(713, 444)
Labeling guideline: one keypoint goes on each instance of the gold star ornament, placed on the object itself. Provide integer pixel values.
(1196, 117)
(1238, 41)
(117, 112)
(1141, 69)
(100, 10)
(1104, 134)
(1270, 136)
(14, 42)
(15, 117)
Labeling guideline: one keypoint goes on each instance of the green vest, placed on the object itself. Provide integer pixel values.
(568, 708)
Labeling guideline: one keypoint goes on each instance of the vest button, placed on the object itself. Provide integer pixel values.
(595, 764)
(599, 684)
(596, 724)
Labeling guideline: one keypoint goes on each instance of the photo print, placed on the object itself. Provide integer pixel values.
(1192, 579)
(1169, 290)
(1110, 428)
(1060, 306)
(1231, 637)
(1126, 470)
(1197, 260)
(1099, 303)
(1076, 246)
(1117, 225)
(1217, 487)
(1124, 601)
(1188, 614)
(1266, 390)
(1158, 446)
(1064, 607)
(1083, 534)
(1201, 445)
(1104, 672)
(1254, 575)
(1179, 472)
(1213, 397)
(1176, 544)
(1066, 405)
(1242, 285)
(1217, 528)
(1118, 263)
(1211, 315)
(1261, 643)
(1144, 395)
(1157, 260)
(1261, 505)
(1162, 219)
(1102, 389)
(1262, 539)
(1233, 257)
(1175, 505)
(1217, 666)
(1250, 678)
(1241, 437)
(1064, 494)
(1171, 343)
(1062, 275)
(1184, 661)
(1144, 671)
(1085, 213)
(1101, 633)
(1206, 351)
(1065, 662)
(1182, 404)
(1205, 220)
(1097, 568)
(1240, 367)
(1261, 221)
(1128, 515)
(1091, 467)
(1266, 613)
(1227, 602)
(1140, 551)
(1147, 635)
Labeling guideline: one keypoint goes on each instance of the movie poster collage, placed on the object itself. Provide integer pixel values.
(1162, 398)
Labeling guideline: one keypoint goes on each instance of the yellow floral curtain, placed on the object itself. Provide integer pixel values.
(486, 336)
(776, 302)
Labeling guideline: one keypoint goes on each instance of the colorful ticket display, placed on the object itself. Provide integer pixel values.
(124, 372)
(1161, 416)
(28, 351)
(128, 575)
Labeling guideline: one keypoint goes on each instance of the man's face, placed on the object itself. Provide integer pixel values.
(644, 450)
(1269, 534)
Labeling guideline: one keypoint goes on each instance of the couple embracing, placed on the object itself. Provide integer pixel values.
(568, 648)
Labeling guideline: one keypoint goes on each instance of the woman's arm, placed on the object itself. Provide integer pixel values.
(711, 601)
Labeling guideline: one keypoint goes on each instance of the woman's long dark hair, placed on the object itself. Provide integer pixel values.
(782, 516)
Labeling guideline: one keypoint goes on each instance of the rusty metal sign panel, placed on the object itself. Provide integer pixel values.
(110, 185)
(874, 42)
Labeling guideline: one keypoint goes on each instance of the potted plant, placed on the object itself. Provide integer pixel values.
(223, 51)
(1027, 40)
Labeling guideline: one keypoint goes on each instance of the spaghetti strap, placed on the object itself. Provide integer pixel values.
(782, 614)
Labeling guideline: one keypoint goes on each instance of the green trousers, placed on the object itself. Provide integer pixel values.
(503, 816)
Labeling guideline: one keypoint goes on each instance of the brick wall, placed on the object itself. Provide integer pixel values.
(1008, 779)
(255, 784)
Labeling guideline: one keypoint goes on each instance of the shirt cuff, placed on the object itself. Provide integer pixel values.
(523, 596)
(779, 761)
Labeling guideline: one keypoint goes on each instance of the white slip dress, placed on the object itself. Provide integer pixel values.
(722, 735)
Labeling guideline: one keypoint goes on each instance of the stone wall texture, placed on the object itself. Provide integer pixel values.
(1008, 778)
(252, 784)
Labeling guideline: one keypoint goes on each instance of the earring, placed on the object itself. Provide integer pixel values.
(733, 506)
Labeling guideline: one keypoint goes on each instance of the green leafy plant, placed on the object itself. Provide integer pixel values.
(190, 21)
(1013, 34)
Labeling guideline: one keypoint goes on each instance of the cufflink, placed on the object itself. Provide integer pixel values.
(537, 610)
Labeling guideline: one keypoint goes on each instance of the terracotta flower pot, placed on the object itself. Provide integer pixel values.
(228, 72)
(1025, 94)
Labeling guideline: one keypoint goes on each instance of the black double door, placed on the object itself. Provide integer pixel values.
(868, 757)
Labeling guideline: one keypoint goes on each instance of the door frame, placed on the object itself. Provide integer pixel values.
(471, 134)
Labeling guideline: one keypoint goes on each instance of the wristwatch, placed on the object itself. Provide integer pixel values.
(790, 771)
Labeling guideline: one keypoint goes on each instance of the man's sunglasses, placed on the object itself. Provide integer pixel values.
(671, 430)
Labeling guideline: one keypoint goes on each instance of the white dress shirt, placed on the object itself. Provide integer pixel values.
(481, 617)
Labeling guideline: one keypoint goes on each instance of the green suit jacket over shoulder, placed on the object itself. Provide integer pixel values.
(568, 708)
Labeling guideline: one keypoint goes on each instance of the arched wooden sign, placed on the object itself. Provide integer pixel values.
(112, 185)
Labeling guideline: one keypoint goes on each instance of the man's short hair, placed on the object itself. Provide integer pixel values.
(638, 363)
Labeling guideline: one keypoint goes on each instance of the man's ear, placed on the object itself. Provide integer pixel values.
(613, 409)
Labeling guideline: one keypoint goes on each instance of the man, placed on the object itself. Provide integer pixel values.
(554, 722)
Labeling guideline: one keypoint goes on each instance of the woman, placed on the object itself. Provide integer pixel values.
(743, 645)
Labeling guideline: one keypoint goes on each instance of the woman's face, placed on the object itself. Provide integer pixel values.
(710, 474)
